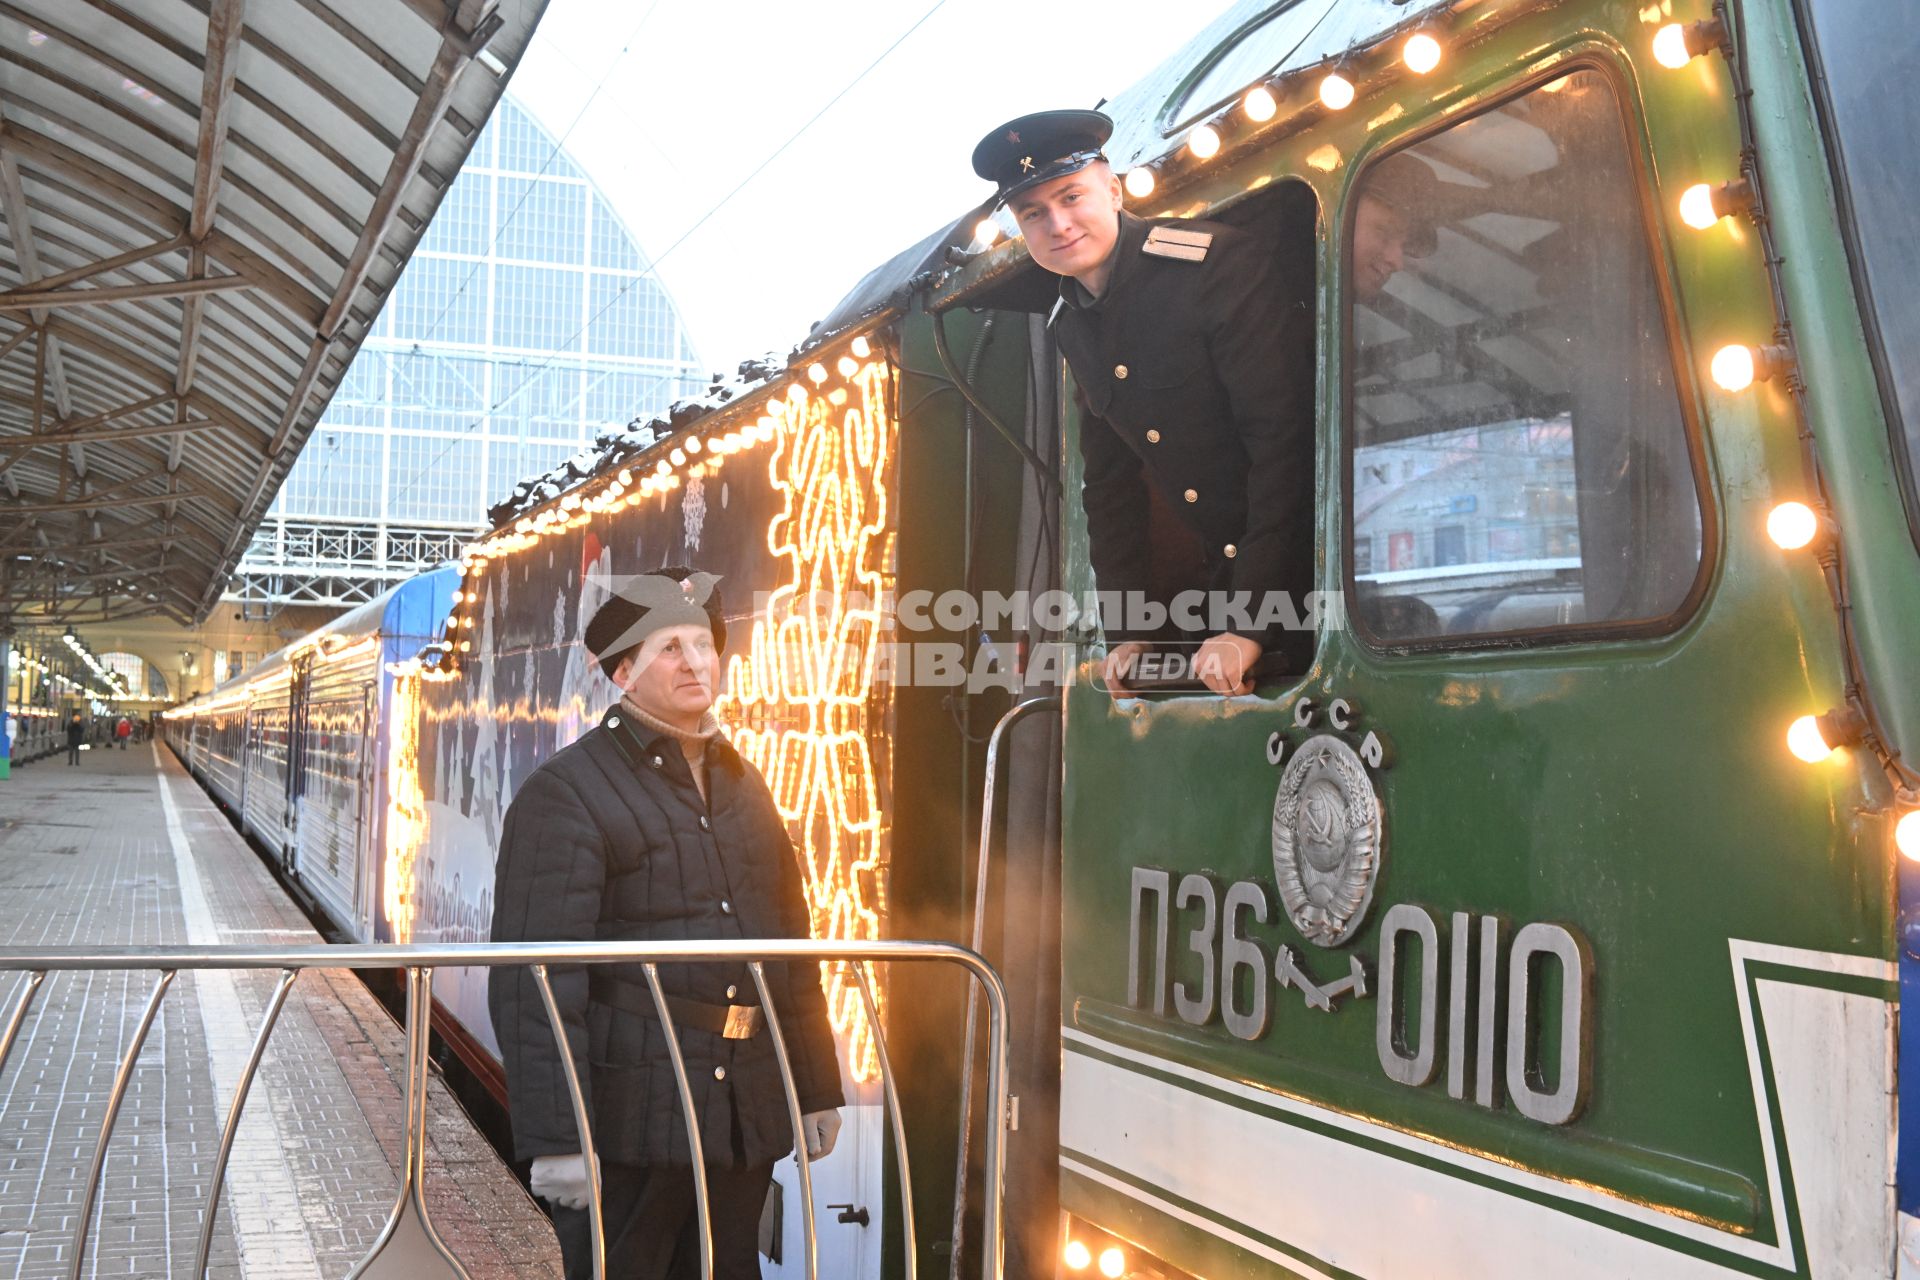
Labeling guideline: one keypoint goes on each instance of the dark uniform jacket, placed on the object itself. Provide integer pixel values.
(1195, 373)
(610, 840)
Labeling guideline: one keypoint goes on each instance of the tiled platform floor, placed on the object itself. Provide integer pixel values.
(89, 854)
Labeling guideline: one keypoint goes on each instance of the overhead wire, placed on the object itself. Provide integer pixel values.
(654, 262)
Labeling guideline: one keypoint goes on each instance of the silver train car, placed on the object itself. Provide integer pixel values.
(296, 749)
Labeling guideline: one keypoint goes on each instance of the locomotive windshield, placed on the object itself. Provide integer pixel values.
(1868, 49)
(1519, 461)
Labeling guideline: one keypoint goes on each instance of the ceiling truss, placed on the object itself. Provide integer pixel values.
(205, 203)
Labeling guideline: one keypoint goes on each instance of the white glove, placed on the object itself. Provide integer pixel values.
(820, 1129)
(562, 1179)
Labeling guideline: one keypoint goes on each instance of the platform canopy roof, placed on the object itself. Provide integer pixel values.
(205, 203)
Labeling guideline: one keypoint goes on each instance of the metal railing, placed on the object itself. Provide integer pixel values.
(408, 1247)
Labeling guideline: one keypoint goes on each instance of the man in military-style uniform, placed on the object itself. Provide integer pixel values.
(1190, 372)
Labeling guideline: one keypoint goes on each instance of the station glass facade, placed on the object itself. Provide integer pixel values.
(527, 321)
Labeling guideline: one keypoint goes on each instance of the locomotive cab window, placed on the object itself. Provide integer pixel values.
(1517, 457)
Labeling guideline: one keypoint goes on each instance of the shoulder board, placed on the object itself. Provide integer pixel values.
(1173, 242)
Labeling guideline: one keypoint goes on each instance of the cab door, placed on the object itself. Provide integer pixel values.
(1512, 925)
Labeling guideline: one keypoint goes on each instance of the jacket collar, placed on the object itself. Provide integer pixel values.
(628, 733)
(1133, 233)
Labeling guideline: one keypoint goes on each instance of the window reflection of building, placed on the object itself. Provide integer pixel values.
(1519, 457)
(527, 321)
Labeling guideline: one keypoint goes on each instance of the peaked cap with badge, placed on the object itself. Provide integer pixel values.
(1194, 368)
(1040, 147)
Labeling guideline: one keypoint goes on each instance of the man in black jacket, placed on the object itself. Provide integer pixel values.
(652, 827)
(1196, 378)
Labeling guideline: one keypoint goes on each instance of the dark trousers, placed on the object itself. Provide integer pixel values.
(653, 1230)
(73, 753)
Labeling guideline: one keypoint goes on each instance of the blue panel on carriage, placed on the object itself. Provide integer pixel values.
(416, 612)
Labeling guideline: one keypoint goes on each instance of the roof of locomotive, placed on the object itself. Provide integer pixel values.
(1253, 40)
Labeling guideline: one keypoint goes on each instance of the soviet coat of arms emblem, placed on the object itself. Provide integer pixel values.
(1328, 838)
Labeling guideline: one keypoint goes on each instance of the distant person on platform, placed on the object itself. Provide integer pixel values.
(123, 731)
(1182, 348)
(652, 827)
(76, 738)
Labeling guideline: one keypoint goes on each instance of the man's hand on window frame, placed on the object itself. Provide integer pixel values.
(1225, 663)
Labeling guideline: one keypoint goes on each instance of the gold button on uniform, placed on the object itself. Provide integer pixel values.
(1120, 371)
(1153, 437)
(719, 1073)
(1191, 496)
(1231, 551)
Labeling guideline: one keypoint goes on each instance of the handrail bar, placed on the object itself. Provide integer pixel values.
(409, 1231)
(983, 869)
(391, 955)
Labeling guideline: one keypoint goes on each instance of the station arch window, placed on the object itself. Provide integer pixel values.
(1517, 460)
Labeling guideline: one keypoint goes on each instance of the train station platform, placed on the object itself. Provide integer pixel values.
(126, 849)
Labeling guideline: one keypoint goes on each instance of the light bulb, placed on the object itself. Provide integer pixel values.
(662, 467)
(693, 444)
(1259, 104)
(1906, 834)
(678, 457)
(1077, 1256)
(986, 231)
(1204, 141)
(1696, 207)
(1140, 183)
(1792, 525)
(862, 348)
(1336, 92)
(1113, 1263)
(1733, 367)
(1670, 47)
(816, 373)
(848, 366)
(1804, 740)
(1421, 53)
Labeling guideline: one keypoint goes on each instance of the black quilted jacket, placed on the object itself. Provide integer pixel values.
(610, 840)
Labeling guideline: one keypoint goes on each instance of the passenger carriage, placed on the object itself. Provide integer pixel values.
(297, 748)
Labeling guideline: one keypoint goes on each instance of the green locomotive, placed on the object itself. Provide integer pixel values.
(1548, 921)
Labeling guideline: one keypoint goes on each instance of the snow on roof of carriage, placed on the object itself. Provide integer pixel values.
(617, 445)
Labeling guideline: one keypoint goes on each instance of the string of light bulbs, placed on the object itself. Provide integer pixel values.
(1792, 525)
